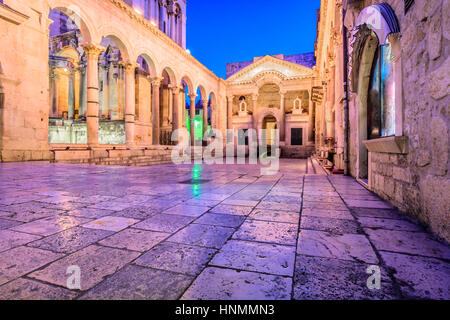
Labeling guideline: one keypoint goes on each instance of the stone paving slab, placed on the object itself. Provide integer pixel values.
(6, 224)
(10, 239)
(135, 239)
(339, 226)
(224, 220)
(415, 243)
(26, 289)
(318, 278)
(50, 225)
(19, 261)
(95, 263)
(275, 216)
(226, 284)
(203, 235)
(111, 223)
(138, 283)
(337, 246)
(259, 257)
(265, 231)
(231, 209)
(70, 240)
(389, 224)
(187, 210)
(164, 223)
(177, 257)
(331, 214)
(420, 277)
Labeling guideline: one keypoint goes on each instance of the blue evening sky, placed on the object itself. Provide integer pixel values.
(222, 31)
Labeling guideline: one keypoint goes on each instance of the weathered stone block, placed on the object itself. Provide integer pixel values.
(434, 37)
(401, 174)
(439, 151)
(439, 81)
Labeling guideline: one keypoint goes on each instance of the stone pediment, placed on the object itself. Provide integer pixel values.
(271, 66)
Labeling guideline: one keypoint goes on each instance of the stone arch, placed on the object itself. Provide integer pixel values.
(78, 15)
(121, 45)
(151, 64)
(171, 74)
(202, 90)
(187, 79)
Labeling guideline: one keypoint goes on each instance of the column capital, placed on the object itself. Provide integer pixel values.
(156, 81)
(230, 98)
(255, 96)
(192, 96)
(205, 102)
(130, 67)
(92, 50)
(283, 92)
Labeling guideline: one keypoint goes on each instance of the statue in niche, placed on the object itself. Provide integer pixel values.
(243, 108)
(298, 108)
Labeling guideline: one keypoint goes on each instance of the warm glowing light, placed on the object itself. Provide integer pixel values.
(153, 23)
(188, 51)
(138, 11)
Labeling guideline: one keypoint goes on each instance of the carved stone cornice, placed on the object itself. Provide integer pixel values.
(11, 15)
(133, 15)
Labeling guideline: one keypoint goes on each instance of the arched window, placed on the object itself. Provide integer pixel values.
(381, 95)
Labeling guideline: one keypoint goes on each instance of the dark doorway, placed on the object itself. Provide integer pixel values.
(296, 136)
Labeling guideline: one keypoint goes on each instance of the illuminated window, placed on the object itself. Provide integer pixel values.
(381, 95)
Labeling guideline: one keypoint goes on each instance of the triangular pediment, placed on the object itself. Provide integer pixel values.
(268, 64)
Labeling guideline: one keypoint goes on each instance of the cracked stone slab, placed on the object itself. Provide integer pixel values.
(6, 224)
(50, 225)
(415, 243)
(177, 257)
(332, 214)
(420, 277)
(226, 284)
(10, 239)
(231, 209)
(340, 226)
(95, 263)
(203, 235)
(135, 239)
(164, 223)
(138, 212)
(265, 231)
(239, 202)
(27, 213)
(275, 216)
(19, 261)
(186, 210)
(111, 223)
(70, 240)
(26, 289)
(352, 247)
(138, 283)
(203, 202)
(223, 220)
(258, 257)
(390, 224)
(318, 278)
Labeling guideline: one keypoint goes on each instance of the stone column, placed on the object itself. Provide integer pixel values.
(230, 112)
(106, 97)
(92, 54)
(311, 121)
(192, 117)
(283, 116)
(130, 102)
(176, 123)
(205, 116)
(255, 111)
(71, 102)
(331, 106)
(156, 84)
(170, 118)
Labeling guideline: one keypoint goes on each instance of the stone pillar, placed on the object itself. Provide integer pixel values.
(311, 121)
(283, 116)
(205, 116)
(92, 54)
(331, 134)
(230, 112)
(71, 102)
(106, 97)
(255, 111)
(156, 83)
(176, 123)
(192, 117)
(130, 102)
(170, 118)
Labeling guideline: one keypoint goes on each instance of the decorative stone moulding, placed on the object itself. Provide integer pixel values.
(397, 145)
(11, 15)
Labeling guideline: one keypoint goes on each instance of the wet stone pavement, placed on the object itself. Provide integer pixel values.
(207, 232)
